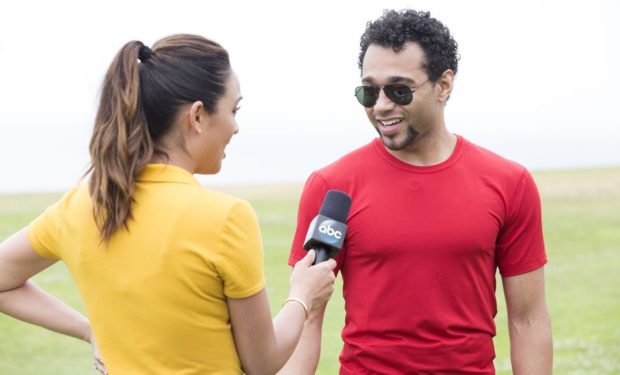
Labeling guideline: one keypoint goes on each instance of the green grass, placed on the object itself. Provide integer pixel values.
(581, 213)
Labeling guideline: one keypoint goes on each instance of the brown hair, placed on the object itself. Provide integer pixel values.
(140, 98)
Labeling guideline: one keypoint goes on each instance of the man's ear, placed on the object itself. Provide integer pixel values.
(445, 84)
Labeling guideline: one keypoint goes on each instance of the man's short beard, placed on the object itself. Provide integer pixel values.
(412, 134)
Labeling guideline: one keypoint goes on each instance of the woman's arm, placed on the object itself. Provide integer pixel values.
(305, 358)
(23, 300)
(264, 345)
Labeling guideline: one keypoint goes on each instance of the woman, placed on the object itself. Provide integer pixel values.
(171, 274)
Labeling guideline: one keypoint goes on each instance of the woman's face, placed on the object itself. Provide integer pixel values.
(218, 128)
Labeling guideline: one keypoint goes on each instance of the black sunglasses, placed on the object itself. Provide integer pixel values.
(398, 93)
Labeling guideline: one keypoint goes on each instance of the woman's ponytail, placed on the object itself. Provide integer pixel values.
(121, 144)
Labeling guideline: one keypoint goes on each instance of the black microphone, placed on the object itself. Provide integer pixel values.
(327, 231)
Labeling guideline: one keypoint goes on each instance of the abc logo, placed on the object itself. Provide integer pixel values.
(326, 228)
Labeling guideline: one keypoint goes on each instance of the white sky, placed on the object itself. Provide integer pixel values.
(537, 80)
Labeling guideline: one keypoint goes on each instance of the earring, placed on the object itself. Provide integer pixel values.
(199, 129)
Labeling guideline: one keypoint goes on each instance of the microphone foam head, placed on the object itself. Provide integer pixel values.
(336, 205)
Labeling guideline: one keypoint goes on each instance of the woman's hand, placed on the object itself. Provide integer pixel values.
(313, 284)
(98, 362)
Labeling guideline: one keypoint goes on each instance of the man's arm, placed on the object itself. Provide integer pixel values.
(531, 348)
(305, 358)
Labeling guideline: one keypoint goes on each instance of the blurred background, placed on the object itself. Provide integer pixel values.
(536, 83)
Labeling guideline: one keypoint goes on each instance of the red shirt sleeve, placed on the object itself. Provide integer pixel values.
(309, 206)
(520, 245)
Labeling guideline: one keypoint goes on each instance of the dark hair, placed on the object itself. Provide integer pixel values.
(138, 105)
(395, 28)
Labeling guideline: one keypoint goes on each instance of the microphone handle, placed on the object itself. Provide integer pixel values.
(322, 254)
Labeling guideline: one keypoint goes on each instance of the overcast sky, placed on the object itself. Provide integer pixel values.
(537, 80)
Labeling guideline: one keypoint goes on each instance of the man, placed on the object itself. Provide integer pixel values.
(433, 217)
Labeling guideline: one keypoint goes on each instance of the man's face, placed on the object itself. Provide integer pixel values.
(399, 126)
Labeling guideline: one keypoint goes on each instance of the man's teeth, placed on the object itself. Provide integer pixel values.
(391, 122)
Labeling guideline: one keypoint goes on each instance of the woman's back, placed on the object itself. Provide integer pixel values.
(156, 294)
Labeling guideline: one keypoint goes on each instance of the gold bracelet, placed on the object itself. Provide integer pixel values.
(302, 303)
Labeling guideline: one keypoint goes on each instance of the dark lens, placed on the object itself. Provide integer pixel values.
(399, 94)
(367, 95)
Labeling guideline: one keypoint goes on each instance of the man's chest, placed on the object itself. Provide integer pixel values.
(414, 221)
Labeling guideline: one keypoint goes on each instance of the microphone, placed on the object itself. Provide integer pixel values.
(328, 229)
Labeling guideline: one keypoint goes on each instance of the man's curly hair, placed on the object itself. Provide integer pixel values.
(395, 28)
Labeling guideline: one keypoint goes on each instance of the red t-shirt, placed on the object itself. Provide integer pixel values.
(420, 256)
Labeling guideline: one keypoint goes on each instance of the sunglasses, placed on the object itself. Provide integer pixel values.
(398, 93)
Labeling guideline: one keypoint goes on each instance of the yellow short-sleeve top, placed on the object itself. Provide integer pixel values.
(156, 295)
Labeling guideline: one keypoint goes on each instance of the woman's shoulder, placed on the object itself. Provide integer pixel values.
(216, 203)
(76, 197)
(208, 213)
(210, 196)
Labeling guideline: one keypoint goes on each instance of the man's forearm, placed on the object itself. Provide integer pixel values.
(531, 346)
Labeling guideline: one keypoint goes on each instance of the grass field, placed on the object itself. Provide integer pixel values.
(581, 212)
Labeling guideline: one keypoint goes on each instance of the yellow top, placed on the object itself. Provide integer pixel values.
(156, 296)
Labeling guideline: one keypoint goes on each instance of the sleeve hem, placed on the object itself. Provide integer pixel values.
(293, 259)
(247, 292)
(37, 246)
(240, 291)
(525, 268)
